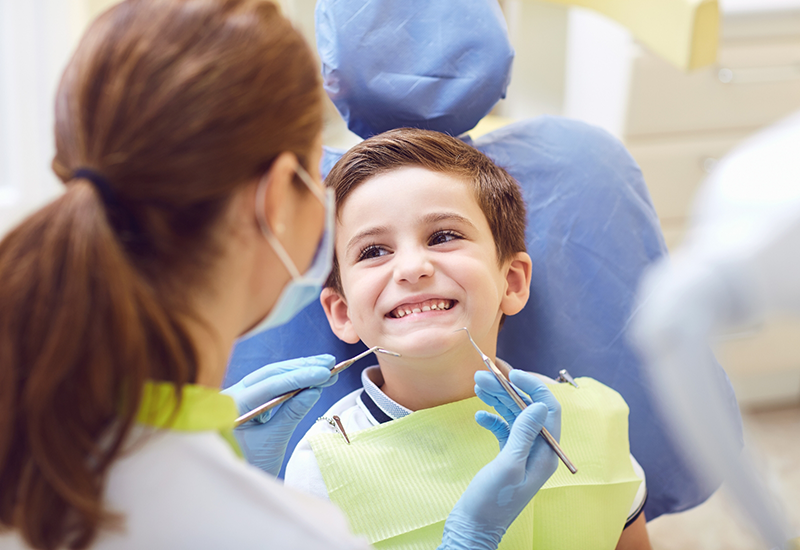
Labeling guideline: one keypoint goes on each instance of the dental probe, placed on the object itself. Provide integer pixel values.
(275, 401)
(512, 392)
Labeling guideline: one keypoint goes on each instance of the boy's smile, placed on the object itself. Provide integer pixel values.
(417, 307)
(417, 261)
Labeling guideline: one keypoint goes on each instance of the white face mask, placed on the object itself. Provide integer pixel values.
(302, 289)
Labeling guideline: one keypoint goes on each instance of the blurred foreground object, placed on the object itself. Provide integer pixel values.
(684, 32)
(740, 264)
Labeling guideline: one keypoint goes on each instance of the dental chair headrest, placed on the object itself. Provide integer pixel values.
(443, 70)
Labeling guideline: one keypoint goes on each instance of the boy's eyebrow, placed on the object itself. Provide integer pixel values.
(369, 232)
(446, 216)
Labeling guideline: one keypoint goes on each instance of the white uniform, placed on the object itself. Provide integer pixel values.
(190, 490)
(358, 412)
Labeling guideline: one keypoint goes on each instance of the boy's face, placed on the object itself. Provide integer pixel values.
(417, 262)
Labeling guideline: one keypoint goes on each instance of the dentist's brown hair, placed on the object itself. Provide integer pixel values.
(176, 104)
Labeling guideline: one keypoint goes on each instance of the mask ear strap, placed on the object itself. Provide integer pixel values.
(310, 183)
(261, 216)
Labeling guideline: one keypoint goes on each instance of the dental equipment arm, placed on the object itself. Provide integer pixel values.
(740, 265)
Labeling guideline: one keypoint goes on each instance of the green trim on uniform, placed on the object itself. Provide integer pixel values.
(202, 409)
(397, 482)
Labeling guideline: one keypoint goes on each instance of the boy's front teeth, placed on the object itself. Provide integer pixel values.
(429, 305)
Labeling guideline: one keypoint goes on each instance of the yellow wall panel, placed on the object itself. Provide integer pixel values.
(684, 32)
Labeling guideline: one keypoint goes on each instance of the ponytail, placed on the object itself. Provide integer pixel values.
(80, 333)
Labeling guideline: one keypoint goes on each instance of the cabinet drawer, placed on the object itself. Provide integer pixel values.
(753, 84)
(673, 170)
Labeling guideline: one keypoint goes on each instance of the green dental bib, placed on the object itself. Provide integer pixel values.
(397, 482)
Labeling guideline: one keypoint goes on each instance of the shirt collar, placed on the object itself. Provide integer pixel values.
(372, 379)
(373, 396)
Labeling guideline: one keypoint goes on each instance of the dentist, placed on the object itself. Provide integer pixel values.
(188, 139)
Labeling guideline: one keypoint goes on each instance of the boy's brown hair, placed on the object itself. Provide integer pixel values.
(497, 193)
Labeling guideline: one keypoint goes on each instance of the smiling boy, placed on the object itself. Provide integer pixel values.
(430, 239)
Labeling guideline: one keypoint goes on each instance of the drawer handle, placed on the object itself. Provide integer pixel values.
(759, 75)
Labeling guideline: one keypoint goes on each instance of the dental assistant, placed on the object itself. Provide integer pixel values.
(188, 138)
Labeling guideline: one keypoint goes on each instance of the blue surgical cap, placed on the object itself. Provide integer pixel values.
(421, 63)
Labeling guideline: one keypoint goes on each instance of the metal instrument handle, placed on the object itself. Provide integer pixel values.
(275, 401)
(548, 437)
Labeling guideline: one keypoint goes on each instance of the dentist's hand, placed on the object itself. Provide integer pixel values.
(264, 439)
(502, 488)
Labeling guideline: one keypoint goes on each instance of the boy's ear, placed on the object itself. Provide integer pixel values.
(338, 315)
(518, 284)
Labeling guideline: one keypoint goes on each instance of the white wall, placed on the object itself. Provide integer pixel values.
(598, 71)
(36, 39)
(571, 62)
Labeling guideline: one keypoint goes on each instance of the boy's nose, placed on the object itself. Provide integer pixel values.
(410, 267)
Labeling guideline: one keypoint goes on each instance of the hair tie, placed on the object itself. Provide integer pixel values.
(100, 183)
(121, 218)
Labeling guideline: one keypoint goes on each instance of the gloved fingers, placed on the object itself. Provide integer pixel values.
(296, 408)
(494, 424)
(525, 430)
(258, 393)
(330, 382)
(489, 384)
(501, 408)
(535, 388)
(540, 393)
(488, 397)
(290, 365)
(264, 444)
(264, 417)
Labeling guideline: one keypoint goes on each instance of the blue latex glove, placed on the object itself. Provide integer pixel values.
(501, 489)
(263, 440)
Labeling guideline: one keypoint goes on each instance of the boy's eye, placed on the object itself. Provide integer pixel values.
(444, 236)
(372, 251)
